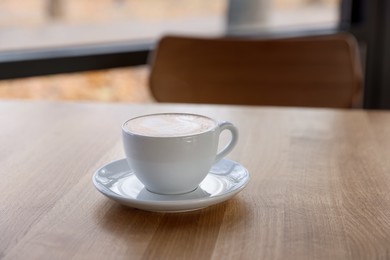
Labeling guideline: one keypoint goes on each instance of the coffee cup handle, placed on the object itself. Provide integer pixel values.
(233, 141)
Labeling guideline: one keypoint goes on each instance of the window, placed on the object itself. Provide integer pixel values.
(49, 23)
(39, 37)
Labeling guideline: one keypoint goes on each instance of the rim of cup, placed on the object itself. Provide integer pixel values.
(216, 123)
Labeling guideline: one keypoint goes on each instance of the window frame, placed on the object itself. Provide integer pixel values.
(67, 59)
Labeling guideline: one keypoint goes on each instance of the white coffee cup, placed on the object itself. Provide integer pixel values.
(172, 153)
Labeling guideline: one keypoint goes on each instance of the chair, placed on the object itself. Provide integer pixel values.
(317, 71)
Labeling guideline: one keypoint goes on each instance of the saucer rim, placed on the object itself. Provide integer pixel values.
(189, 204)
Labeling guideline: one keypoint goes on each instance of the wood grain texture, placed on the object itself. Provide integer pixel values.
(319, 187)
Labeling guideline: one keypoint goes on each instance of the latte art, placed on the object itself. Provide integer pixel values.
(169, 125)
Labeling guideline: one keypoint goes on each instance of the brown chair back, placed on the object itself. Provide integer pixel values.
(319, 71)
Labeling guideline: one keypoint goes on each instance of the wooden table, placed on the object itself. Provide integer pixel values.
(319, 189)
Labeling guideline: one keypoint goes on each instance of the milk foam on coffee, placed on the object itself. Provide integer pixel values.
(169, 125)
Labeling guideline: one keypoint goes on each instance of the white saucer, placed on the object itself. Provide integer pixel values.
(117, 181)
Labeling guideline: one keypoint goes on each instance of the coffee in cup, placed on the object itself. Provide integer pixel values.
(172, 153)
(169, 125)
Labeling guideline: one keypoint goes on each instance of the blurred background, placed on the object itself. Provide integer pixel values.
(34, 24)
(40, 28)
